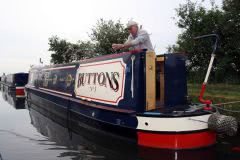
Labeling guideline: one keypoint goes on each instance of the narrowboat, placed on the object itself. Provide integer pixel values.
(15, 83)
(136, 96)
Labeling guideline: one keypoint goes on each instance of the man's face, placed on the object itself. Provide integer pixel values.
(133, 30)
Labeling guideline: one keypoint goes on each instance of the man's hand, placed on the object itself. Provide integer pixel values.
(117, 46)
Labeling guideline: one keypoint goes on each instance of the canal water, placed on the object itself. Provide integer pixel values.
(26, 134)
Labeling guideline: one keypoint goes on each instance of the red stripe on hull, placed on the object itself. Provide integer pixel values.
(20, 92)
(176, 141)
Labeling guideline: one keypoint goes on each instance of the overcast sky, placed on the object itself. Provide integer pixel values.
(26, 25)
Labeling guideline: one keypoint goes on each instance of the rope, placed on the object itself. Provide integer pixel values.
(219, 104)
(228, 110)
(216, 106)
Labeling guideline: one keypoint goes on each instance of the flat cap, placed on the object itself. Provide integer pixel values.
(131, 23)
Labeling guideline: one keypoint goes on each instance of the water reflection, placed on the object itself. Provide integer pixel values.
(10, 97)
(42, 136)
(80, 146)
(153, 154)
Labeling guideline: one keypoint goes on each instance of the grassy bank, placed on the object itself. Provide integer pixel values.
(218, 93)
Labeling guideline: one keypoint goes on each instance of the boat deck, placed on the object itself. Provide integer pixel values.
(176, 111)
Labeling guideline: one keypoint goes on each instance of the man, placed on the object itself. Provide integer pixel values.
(138, 38)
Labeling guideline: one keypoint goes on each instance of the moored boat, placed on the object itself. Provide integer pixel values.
(133, 95)
(15, 83)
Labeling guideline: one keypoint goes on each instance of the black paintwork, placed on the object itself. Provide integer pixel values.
(175, 80)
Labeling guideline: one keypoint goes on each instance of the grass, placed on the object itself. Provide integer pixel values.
(218, 93)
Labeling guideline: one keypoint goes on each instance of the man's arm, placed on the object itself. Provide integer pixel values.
(121, 46)
(129, 43)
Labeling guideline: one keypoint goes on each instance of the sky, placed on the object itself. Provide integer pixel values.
(26, 25)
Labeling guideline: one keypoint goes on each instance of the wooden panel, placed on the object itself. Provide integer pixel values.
(150, 80)
(160, 59)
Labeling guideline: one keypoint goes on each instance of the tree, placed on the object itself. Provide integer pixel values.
(83, 50)
(105, 33)
(65, 52)
(231, 37)
(102, 36)
(59, 47)
(195, 20)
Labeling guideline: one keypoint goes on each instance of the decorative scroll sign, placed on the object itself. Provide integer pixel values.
(101, 81)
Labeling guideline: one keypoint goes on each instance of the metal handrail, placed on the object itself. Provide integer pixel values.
(215, 47)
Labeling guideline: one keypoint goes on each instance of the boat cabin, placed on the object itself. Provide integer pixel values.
(14, 83)
(138, 80)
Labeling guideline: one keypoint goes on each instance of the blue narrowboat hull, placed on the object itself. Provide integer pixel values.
(109, 95)
(81, 114)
